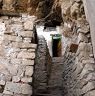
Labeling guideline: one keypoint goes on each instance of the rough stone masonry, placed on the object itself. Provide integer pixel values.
(17, 54)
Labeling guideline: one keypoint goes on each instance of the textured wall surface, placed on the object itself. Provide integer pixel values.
(42, 67)
(17, 54)
(79, 75)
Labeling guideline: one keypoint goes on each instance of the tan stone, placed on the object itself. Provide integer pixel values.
(84, 50)
(27, 62)
(2, 28)
(26, 89)
(16, 61)
(24, 45)
(26, 55)
(13, 69)
(9, 37)
(83, 25)
(21, 70)
(82, 38)
(31, 50)
(74, 10)
(16, 79)
(91, 60)
(12, 87)
(8, 5)
(2, 82)
(26, 79)
(88, 87)
(26, 33)
(29, 71)
(28, 25)
(18, 88)
(27, 40)
(7, 93)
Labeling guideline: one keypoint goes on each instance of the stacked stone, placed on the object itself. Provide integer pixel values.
(85, 63)
(17, 54)
(79, 76)
(43, 64)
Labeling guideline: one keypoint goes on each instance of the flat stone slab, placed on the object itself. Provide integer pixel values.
(18, 88)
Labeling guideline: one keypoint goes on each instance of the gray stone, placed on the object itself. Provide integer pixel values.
(7, 93)
(88, 87)
(82, 38)
(27, 62)
(26, 55)
(29, 71)
(26, 79)
(27, 40)
(13, 87)
(16, 79)
(24, 45)
(28, 25)
(18, 88)
(91, 60)
(16, 61)
(28, 34)
(26, 89)
(8, 5)
(2, 82)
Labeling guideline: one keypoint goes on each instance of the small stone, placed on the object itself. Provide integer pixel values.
(16, 79)
(26, 79)
(12, 87)
(91, 60)
(2, 28)
(16, 28)
(27, 62)
(1, 94)
(28, 25)
(74, 9)
(16, 61)
(88, 87)
(83, 26)
(18, 88)
(19, 39)
(10, 37)
(31, 50)
(2, 82)
(8, 93)
(24, 45)
(90, 77)
(21, 70)
(28, 34)
(27, 40)
(26, 55)
(29, 71)
(26, 89)
(13, 69)
(82, 38)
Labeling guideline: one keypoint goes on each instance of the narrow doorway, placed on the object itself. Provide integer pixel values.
(56, 45)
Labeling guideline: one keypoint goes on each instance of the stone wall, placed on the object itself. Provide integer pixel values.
(17, 54)
(79, 76)
(42, 69)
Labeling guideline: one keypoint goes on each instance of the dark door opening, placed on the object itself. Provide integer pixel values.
(56, 45)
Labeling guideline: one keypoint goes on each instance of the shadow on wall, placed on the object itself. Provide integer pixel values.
(42, 67)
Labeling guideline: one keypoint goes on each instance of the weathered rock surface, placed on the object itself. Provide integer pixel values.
(16, 55)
